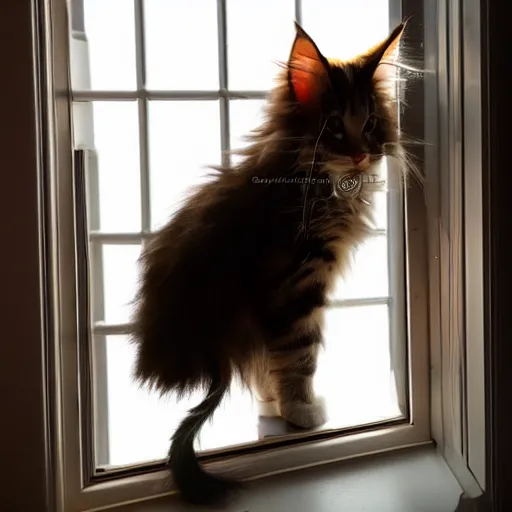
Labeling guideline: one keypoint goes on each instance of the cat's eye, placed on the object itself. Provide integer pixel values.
(370, 124)
(335, 126)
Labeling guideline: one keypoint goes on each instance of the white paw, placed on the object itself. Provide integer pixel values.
(305, 415)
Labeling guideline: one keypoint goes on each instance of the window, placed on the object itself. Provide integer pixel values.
(144, 76)
(50, 370)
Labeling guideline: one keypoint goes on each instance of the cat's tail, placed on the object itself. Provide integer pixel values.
(194, 483)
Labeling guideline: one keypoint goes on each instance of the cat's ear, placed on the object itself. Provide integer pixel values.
(307, 69)
(382, 58)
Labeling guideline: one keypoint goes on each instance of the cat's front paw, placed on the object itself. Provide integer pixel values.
(305, 415)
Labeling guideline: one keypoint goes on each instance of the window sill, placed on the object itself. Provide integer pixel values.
(408, 480)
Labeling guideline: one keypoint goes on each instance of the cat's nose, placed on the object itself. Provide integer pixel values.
(362, 160)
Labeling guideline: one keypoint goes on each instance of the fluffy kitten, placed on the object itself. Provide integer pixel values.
(236, 283)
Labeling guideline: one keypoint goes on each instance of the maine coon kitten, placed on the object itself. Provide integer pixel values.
(236, 283)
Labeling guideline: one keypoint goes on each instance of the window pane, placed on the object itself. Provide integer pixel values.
(111, 129)
(182, 44)
(120, 274)
(140, 424)
(353, 376)
(343, 28)
(380, 206)
(245, 115)
(380, 199)
(104, 57)
(354, 369)
(368, 276)
(184, 139)
(259, 33)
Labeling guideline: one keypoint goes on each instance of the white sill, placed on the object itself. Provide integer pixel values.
(410, 480)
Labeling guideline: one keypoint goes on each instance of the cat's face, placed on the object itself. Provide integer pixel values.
(346, 107)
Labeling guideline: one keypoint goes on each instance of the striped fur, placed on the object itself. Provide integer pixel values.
(236, 283)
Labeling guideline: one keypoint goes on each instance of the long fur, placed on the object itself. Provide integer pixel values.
(236, 283)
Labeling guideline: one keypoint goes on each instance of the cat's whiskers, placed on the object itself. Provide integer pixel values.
(305, 219)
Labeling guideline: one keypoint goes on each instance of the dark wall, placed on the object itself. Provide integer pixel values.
(22, 446)
(498, 247)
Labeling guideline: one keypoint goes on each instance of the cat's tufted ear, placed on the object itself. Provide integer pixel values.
(382, 59)
(307, 69)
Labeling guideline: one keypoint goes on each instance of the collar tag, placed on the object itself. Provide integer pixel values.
(351, 186)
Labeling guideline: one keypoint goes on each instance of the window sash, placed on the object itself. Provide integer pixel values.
(395, 299)
(396, 258)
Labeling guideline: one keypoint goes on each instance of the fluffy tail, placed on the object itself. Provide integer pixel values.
(197, 486)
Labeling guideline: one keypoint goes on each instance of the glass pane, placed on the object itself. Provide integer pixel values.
(259, 33)
(111, 129)
(380, 206)
(354, 369)
(343, 28)
(104, 57)
(368, 276)
(140, 424)
(353, 376)
(120, 275)
(184, 139)
(380, 199)
(181, 44)
(245, 115)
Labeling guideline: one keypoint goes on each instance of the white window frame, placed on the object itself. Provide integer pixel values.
(456, 273)
(77, 491)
